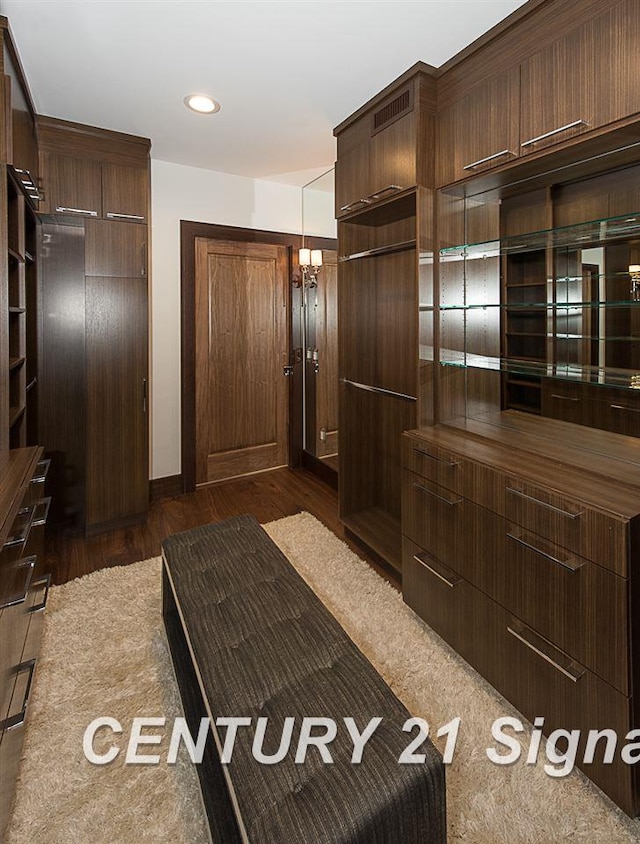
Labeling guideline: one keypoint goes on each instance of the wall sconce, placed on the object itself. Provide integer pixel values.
(310, 261)
(634, 275)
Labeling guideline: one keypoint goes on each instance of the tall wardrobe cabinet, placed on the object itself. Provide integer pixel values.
(94, 398)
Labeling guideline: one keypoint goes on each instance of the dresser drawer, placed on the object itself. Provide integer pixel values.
(17, 596)
(539, 679)
(436, 464)
(440, 521)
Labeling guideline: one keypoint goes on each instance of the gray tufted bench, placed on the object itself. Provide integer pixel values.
(249, 638)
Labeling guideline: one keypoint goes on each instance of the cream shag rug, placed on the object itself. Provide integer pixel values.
(104, 653)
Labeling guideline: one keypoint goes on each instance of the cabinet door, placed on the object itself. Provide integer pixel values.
(72, 185)
(480, 131)
(124, 192)
(615, 37)
(392, 157)
(116, 384)
(352, 170)
(115, 249)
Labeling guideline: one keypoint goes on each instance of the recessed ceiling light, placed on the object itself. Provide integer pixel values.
(201, 103)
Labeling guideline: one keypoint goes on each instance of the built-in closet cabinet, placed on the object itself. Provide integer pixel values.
(380, 147)
(386, 161)
(95, 398)
(481, 130)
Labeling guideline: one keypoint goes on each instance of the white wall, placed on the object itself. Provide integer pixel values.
(188, 193)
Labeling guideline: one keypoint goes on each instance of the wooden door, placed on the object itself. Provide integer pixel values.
(116, 249)
(241, 349)
(327, 345)
(392, 157)
(352, 167)
(72, 185)
(480, 131)
(116, 409)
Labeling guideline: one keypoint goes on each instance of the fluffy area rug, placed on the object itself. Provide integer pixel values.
(104, 653)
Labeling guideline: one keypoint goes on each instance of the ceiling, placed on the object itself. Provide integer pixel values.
(285, 72)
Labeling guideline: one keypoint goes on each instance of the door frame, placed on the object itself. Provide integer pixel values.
(189, 231)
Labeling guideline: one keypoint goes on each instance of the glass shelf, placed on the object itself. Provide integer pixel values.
(538, 306)
(603, 376)
(578, 236)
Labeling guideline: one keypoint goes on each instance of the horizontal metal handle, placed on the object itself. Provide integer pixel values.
(353, 204)
(568, 563)
(557, 510)
(377, 194)
(538, 646)
(46, 582)
(438, 497)
(564, 398)
(370, 389)
(553, 132)
(111, 215)
(449, 463)
(445, 574)
(489, 158)
(28, 565)
(76, 211)
(17, 720)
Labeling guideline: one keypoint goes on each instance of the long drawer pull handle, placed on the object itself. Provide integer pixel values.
(569, 563)
(450, 463)
(564, 398)
(377, 194)
(111, 215)
(65, 210)
(451, 580)
(29, 565)
(17, 720)
(42, 469)
(380, 390)
(41, 512)
(46, 582)
(353, 204)
(438, 497)
(574, 124)
(489, 158)
(573, 674)
(557, 510)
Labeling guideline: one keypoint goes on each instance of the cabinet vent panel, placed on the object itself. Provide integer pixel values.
(392, 110)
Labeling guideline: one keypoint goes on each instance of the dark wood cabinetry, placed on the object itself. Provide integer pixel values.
(528, 572)
(125, 192)
(24, 585)
(72, 186)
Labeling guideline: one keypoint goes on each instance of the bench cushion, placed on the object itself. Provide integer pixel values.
(265, 645)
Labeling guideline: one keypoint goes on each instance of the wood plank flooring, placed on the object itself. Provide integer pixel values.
(268, 496)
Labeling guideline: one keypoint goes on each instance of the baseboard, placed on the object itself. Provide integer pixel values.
(315, 465)
(168, 487)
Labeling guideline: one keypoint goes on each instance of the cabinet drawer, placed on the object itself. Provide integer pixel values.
(16, 600)
(579, 606)
(440, 521)
(436, 464)
(537, 678)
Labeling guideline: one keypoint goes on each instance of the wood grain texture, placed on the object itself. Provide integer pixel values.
(125, 190)
(4, 321)
(327, 344)
(241, 348)
(116, 372)
(71, 182)
(78, 139)
(115, 249)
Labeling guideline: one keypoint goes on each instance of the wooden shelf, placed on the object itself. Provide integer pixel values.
(380, 531)
(15, 255)
(15, 414)
(16, 310)
(14, 363)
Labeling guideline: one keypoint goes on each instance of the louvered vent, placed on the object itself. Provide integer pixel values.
(392, 110)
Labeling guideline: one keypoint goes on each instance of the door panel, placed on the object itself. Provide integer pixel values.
(116, 354)
(327, 344)
(124, 192)
(241, 348)
(72, 185)
(115, 249)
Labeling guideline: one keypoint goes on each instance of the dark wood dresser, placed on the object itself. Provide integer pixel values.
(24, 588)
(520, 543)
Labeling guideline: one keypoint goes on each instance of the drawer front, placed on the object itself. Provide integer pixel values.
(440, 521)
(579, 606)
(14, 623)
(435, 464)
(537, 678)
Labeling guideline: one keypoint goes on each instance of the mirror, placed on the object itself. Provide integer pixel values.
(320, 323)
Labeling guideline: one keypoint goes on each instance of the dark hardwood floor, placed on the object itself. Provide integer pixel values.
(268, 496)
